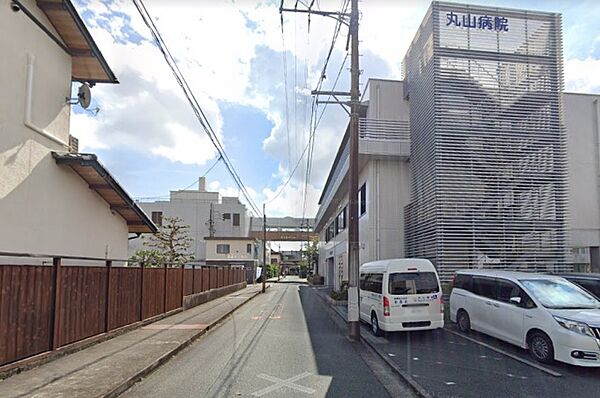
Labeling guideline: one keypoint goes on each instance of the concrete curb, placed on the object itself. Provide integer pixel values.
(127, 384)
(412, 383)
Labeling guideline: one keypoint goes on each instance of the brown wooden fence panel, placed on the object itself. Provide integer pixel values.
(213, 277)
(198, 281)
(228, 276)
(25, 308)
(125, 290)
(205, 279)
(173, 288)
(188, 281)
(154, 285)
(82, 303)
(220, 274)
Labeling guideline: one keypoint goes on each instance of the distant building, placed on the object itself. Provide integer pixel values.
(477, 158)
(208, 214)
(54, 200)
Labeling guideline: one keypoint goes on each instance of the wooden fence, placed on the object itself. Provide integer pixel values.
(45, 307)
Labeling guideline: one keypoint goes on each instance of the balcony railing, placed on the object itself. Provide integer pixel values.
(376, 129)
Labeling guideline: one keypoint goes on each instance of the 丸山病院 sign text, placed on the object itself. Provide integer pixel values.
(471, 21)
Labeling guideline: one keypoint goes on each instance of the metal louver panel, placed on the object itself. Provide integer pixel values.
(488, 145)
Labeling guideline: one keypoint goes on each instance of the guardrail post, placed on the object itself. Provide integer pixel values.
(107, 305)
(142, 291)
(55, 314)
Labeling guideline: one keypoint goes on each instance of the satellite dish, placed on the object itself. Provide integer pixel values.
(84, 96)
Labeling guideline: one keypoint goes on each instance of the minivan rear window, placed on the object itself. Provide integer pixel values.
(413, 283)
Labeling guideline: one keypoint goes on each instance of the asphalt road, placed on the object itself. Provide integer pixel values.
(281, 344)
(448, 365)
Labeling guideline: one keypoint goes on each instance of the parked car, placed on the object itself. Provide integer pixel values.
(552, 317)
(401, 294)
(590, 282)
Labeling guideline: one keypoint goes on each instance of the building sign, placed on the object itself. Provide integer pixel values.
(483, 22)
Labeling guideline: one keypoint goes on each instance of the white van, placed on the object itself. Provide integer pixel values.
(552, 317)
(401, 294)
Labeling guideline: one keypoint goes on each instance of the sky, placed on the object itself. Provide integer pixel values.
(233, 54)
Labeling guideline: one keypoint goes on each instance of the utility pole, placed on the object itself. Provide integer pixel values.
(264, 270)
(353, 238)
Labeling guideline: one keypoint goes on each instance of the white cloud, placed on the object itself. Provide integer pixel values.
(582, 75)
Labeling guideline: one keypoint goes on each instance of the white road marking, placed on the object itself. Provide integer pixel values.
(515, 357)
(449, 383)
(391, 355)
(280, 383)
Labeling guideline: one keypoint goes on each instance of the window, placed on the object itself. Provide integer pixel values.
(485, 287)
(157, 217)
(376, 283)
(223, 249)
(462, 281)
(340, 221)
(371, 282)
(236, 219)
(362, 199)
(226, 216)
(249, 248)
(506, 290)
(413, 283)
(560, 294)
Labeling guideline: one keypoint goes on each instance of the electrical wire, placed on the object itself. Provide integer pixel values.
(200, 115)
(189, 186)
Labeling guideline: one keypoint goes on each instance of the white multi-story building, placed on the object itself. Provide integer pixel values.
(54, 200)
(384, 178)
(208, 214)
(478, 160)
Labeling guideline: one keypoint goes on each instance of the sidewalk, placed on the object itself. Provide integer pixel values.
(109, 368)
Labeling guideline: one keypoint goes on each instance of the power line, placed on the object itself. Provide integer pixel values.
(202, 119)
(189, 186)
(344, 7)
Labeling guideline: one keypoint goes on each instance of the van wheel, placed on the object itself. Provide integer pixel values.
(463, 321)
(375, 325)
(541, 348)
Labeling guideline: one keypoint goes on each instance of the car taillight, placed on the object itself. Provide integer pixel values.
(441, 303)
(386, 306)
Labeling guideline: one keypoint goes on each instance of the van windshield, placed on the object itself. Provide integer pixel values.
(413, 283)
(560, 294)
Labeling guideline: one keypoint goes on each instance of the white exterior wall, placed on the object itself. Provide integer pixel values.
(582, 113)
(45, 208)
(193, 207)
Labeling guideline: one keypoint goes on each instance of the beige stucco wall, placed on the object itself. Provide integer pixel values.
(44, 208)
(237, 249)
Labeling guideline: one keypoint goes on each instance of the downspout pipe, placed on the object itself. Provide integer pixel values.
(29, 105)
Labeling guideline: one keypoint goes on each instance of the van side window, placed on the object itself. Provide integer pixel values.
(362, 281)
(463, 281)
(485, 287)
(376, 283)
(506, 290)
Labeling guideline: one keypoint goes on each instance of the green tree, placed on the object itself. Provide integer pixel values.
(150, 258)
(170, 245)
(312, 253)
